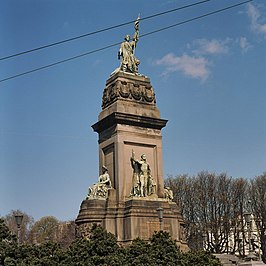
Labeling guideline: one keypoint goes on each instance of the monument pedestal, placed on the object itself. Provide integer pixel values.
(136, 218)
(129, 126)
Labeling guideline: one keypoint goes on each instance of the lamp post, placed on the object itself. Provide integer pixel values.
(18, 219)
(160, 216)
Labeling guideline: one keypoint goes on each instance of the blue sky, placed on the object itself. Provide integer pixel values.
(208, 75)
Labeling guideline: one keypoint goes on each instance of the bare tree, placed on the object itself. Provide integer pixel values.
(212, 207)
(66, 233)
(214, 212)
(183, 188)
(46, 229)
(239, 199)
(257, 194)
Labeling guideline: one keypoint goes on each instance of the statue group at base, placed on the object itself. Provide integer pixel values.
(100, 189)
(143, 184)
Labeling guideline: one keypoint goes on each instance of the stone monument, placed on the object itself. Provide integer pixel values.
(130, 191)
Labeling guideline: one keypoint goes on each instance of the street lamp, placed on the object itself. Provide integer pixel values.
(18, 219)
(160, 216)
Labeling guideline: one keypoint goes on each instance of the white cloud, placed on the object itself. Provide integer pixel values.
(195, 67)
(204, 46)
(203, 50)
(244, 44)
(255, 16)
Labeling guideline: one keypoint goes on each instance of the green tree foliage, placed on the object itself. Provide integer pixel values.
(161, 250)
(100, 249)
(48, 253)
(199, 258)
(27, 254)
(164, 250)
(8, 243)
(138, 253)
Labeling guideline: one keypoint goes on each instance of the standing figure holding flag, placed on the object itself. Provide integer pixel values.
(126, 53)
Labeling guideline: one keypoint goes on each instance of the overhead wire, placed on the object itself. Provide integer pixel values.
(196, 18)
(101, 30)
(114, 44)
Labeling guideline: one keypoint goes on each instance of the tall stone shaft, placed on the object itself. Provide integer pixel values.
(129, 121)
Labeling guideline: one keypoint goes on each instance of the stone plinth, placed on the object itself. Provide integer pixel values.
(130, 123)
(134, 218)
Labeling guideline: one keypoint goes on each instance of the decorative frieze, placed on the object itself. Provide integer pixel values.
(128, 89)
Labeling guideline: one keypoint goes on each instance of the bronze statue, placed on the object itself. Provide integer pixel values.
(143, 184)
(168, 194)
(100, 189)
(135, 191)
(126, 53)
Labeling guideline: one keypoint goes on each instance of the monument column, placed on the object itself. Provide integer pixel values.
(130, 188)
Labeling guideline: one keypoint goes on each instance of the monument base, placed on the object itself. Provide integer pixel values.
(136, 217)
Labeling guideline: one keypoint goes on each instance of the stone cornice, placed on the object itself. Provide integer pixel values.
(128, 119)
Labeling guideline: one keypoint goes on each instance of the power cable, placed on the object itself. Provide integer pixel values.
(114, 44)
(199, 17)
(60, 62)
(99, 31)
